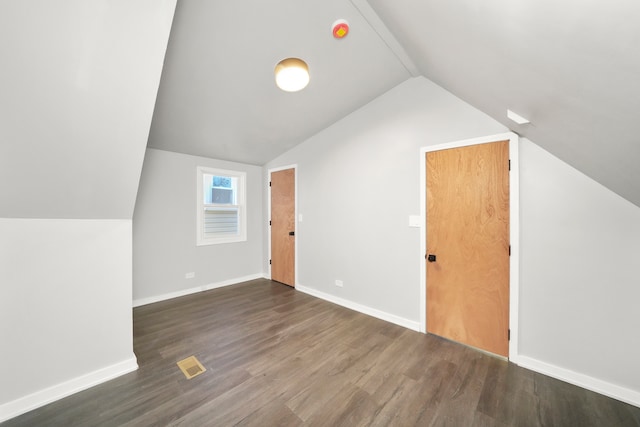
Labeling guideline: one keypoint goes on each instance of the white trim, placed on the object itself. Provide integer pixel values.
(514, 238)
(514, 230)
(297, 230)
(374, 21)
(241, 205)
(423, 241)
(617, 392)
(150, 300)
(282, 168)
(392, 318)
(43, 397)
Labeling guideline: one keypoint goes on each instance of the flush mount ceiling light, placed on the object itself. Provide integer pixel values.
(292, 74)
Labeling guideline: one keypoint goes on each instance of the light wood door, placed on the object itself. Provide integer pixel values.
(283, 226)
(468, 234)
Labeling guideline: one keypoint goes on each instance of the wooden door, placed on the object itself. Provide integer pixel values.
(283, 226)
(468, 234)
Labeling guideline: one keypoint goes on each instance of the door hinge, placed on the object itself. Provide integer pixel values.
(509, 164)
(509, 250)
(269, 222)
(270, 181)
(508, 334)
(269, 262)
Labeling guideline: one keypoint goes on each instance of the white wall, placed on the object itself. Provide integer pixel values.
(580, 282)
(358, 182)
(65, 308)
(164, 230)
(79, 81)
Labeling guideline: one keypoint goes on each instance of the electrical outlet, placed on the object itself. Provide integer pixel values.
(190, 275)
(339, 283)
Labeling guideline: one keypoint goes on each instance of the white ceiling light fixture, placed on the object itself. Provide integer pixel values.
(516, 118)
(292, 74)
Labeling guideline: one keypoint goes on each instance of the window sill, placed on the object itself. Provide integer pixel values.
(208, 242)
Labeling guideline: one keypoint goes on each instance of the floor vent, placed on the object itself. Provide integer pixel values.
(191, 367)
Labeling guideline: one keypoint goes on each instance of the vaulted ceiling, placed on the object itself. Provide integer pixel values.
(218, 96)
(78, 81)
(572, 68)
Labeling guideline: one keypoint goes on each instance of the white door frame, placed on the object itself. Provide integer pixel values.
(295, 195)
(514, 229)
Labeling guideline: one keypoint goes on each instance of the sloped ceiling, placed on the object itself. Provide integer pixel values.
(78, 82)
(572, 68)
(218, 96)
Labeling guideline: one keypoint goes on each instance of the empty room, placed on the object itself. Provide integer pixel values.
(347, 212)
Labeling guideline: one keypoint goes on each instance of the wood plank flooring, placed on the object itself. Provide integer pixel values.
(277, 357)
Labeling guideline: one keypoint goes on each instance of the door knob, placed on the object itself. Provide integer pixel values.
(292, 233)
(431, 258)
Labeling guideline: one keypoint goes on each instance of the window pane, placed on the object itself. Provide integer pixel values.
(207, 183)
(221, 204)
(222, 181)
(222, 195)
(220, 189)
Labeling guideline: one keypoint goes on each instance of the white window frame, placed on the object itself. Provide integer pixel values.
(241, 205)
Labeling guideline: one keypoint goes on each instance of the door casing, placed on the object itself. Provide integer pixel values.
(270, 171)
(514, 227)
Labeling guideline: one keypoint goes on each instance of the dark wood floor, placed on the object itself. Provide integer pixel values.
(277, 357)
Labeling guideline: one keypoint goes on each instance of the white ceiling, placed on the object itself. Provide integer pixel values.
(571, 67)
(218, 96)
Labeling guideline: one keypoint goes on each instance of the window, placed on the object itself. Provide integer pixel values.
(221, 206)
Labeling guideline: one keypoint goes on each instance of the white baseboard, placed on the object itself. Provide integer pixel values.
(406, 323)
(622, 394)
(183, 292)
(43, 397)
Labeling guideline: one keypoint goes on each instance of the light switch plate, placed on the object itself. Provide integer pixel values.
(414, 221)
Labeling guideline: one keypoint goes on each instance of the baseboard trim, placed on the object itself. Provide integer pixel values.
(43, 397)
(150, 300)
(622, 394)
(392, 318)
